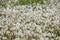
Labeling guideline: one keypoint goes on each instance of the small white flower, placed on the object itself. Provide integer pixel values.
(4, 38)
(17, 38)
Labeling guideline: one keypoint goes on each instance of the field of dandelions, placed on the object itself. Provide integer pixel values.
(40, 21)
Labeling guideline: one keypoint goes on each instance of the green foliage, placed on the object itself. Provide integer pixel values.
(57, 32)
(24, 2)
(4, 15)
(4, 3)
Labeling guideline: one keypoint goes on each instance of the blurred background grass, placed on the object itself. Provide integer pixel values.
(12, 3)
(4, 3)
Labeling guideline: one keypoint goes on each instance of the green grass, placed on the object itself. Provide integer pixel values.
(57, 32)
(20, 2)
(4, 15)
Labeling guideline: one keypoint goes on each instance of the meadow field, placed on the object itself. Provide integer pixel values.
(29, 19)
